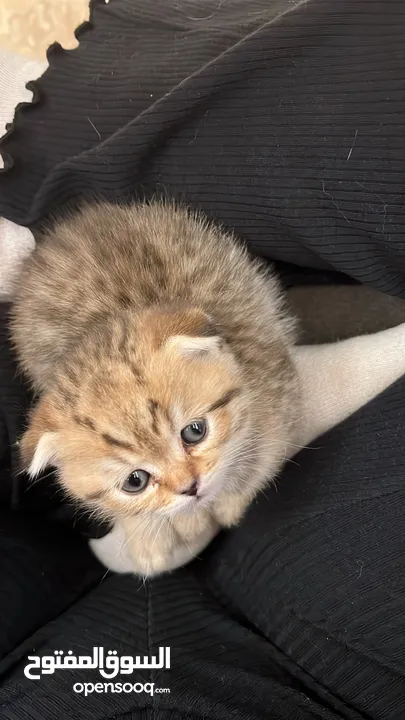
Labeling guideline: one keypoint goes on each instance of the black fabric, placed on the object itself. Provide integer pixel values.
(288, 129)
(286, 124)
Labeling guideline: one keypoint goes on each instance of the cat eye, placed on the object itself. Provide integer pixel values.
(194, 432)
(136, 481)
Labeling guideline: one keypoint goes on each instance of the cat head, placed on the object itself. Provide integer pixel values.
(145, 422)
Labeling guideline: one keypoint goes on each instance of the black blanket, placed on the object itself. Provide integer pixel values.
(284, 121)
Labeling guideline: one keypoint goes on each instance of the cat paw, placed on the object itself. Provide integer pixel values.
(111, 551)
(116, 552)
(229, 509)
(124, 551)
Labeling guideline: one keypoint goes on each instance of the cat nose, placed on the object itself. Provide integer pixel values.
(192, 489)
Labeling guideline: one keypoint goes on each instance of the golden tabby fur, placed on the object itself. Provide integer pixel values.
(133, 323)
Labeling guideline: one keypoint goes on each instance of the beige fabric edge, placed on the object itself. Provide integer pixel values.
(16, 242)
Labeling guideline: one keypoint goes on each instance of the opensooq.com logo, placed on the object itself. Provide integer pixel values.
(109, 664)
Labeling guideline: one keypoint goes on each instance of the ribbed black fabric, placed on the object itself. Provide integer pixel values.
(287, 125)
(288, 128)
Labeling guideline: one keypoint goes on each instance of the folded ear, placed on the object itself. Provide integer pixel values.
(38, 445)
(190, 329)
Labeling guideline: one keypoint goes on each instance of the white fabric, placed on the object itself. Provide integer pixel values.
(15, 242)
(339, 378)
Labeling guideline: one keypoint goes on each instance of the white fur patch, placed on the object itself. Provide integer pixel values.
(112, 552)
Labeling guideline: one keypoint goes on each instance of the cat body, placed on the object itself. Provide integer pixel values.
(161, 356)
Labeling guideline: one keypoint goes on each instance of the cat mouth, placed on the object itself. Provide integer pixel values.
(197, 498)
(195, 501)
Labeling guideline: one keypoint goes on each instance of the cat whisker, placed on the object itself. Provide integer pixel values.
(104, 577)
(40, 478)
(304, 447)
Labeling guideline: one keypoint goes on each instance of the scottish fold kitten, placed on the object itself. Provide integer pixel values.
(170, 389)
(160, 351)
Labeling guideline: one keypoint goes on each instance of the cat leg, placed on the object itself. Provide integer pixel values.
(186, 550)
(229, 507)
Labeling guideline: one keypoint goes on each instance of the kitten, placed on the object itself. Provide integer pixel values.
(161, 355)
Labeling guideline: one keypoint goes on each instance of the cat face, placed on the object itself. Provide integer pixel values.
(150, 431)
